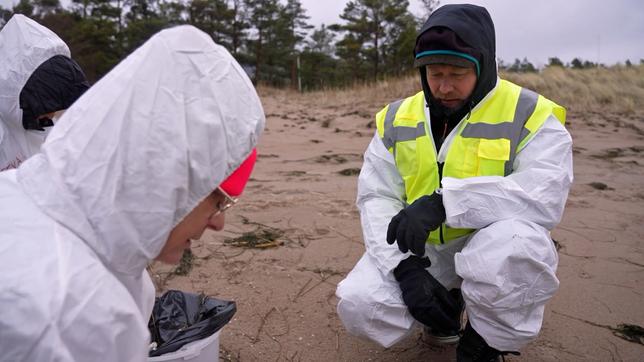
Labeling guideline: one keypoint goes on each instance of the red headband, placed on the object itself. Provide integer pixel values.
(235, 183)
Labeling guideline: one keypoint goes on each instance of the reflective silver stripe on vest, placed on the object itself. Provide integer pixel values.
(525, 107)
(488, 131)
(402, 133)
(388, 137)
(514, 131)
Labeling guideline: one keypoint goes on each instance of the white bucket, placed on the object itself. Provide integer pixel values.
(203, 350)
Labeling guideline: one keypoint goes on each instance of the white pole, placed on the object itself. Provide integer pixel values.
(299, 78)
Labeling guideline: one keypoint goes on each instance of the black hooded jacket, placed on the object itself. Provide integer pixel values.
(474, 26)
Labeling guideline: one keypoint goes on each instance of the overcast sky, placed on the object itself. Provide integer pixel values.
(607, 31)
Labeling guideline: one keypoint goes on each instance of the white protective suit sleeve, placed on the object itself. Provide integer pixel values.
(123, 166)
(24, 45)
(380, 197)
(536, 190)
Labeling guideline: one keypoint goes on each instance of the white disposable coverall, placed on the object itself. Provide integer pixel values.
(81, 220)
(24, 46)
(506, 270)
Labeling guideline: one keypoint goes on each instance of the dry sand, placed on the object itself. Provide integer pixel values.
(299, 197)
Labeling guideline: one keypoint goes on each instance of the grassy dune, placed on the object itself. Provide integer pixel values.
(617, 89)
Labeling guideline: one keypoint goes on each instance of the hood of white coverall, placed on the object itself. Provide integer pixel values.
(24, 45)
(140, 149)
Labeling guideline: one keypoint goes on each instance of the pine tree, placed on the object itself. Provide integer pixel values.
(321, 41)
(263, 14)
(555, 62)
(24, 7)
(296, 29)
(368, 26)
(239, 25)
(142, 21)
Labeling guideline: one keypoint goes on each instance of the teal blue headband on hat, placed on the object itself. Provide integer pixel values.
(452, 53)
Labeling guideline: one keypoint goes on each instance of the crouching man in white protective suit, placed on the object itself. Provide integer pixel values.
(466, 177)
(38, 80)
(132, 172)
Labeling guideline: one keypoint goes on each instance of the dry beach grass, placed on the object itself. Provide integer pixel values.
(296, 232)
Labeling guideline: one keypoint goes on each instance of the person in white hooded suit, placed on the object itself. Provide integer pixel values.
(38, 79)
(130, 173)
(460, 187)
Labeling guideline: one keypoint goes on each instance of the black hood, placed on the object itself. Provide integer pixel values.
(55, 85)
(474, 26)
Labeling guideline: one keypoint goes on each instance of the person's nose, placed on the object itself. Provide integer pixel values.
(216, 222)
(445, 86)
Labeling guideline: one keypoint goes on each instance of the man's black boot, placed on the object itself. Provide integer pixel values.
(473, 348)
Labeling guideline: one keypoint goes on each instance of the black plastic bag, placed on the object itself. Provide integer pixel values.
(179, 318)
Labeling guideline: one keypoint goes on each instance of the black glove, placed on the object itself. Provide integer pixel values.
(427, 300)
(412, 225)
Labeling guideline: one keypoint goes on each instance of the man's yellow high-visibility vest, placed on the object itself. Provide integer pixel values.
(485, 144)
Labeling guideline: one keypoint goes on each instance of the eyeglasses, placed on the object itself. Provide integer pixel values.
(226, 204)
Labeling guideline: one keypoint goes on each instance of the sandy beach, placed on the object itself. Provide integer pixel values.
(296, 233)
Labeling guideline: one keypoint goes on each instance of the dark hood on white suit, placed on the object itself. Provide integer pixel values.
(474, 26)
(24, 46)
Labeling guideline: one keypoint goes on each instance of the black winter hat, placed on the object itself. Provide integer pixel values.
(55, 85)
(440, 45)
